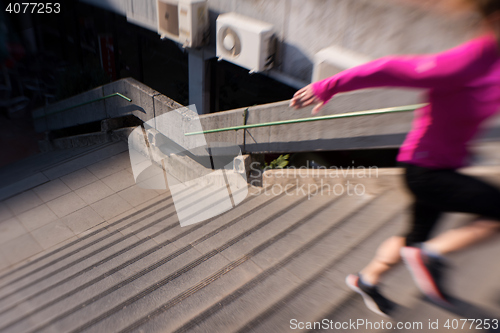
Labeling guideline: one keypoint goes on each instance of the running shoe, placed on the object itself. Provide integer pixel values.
(427, 272)
(372, 297)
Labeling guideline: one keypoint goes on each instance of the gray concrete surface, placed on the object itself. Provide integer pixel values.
(92, 187)
(365, 132)
(52, 119)
(89, 251)
(304, 27)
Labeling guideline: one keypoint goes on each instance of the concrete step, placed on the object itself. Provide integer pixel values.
(269, 250)
(472, 280)
(116, 154)
(271, 305)
(106, 234)
(89, 139)
(36, 163)
(80, 270)
(184, 266)
(100, 265)
(151, 261)
(220, 245)
(272, 258)
(150, 223)
(475, 299)
(345, 305)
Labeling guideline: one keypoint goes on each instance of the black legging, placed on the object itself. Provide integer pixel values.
(444, 190)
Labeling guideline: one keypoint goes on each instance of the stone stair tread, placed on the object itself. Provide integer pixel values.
(174, 233)
(81, 246)
(306, 270)
(175, 259)
(272, 258)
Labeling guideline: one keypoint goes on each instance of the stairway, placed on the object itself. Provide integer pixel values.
(272, 262)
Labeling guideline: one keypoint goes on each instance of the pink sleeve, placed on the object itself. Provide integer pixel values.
(452, 68)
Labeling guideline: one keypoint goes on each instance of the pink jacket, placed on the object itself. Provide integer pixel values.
(463, 90)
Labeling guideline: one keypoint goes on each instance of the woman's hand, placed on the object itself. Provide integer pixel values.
(305, 97)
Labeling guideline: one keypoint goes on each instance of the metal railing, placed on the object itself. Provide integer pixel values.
(82, 104)
(304, 120)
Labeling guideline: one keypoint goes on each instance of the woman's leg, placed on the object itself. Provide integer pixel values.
(435, 191)
(463, 237)
(455, 192)
(388, 253)
(424, 218)
(386, 257)
(451, 192)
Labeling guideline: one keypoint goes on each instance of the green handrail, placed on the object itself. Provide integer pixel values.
(304, 120)
(82, 104)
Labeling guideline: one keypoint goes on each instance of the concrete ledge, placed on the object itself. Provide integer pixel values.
(389, 131)
(86, 140)
(164, 104)
(81, 115)
(226, 119)
(374, 131)
(142, 105)
(81, 140)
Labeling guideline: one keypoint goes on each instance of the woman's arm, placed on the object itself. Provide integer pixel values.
(452, 68)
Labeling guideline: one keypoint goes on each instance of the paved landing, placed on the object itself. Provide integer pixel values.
(76, 194)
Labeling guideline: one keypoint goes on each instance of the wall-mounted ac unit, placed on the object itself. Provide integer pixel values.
(334, 59)
(184, 21)
(246, 42)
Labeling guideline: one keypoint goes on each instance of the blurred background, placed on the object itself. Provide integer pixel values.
(83, 248)
(47, 57)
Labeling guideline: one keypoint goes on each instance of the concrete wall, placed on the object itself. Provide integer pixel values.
(375, 131)
(338, 134)
(323, 135)
(365, 132)
(371, 27)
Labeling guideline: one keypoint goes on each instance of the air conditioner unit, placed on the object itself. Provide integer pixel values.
(246, 42)
(184, 21)
(334, 59)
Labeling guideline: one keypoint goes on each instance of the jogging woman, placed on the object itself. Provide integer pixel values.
(463, 90)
